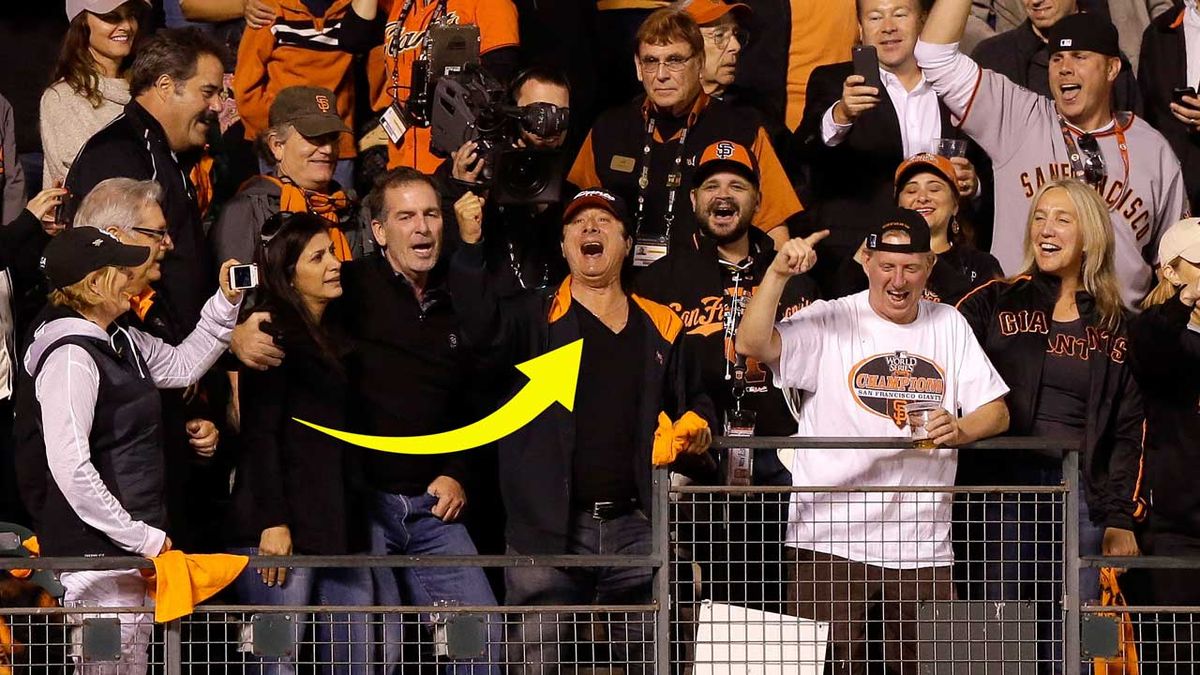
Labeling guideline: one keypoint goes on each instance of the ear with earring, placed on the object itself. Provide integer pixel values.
(954, 227)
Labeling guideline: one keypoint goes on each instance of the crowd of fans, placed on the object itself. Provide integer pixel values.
(781, 218)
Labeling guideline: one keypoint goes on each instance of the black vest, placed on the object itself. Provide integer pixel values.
(125, 443)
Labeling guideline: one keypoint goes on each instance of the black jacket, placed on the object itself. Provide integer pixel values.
(135, 146)
(1162, 68)
(409, 373)
(1164, 354)
(1022, 56)
(536, 461)
(694, 283)
(1011, 319)
(855, 179)
(290, 474)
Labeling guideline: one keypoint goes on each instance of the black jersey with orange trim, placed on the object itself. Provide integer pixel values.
(694, 283)
(1011, 319)
(612, 157)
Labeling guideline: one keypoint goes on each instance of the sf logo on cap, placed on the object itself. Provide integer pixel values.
(724, 150)
(323, 102)
(1065, 42)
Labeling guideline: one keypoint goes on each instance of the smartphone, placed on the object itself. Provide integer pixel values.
(866, 64)
(64, 215)
(1179, 92)
(243, 277)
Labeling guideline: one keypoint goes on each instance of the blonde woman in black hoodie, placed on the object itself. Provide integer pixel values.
(1164, 353)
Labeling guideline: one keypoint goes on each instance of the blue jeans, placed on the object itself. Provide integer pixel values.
(342, 638)
(1024, 555)
(404, 525)
(534, 642)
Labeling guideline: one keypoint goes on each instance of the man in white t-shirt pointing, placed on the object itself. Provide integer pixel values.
(852, 366)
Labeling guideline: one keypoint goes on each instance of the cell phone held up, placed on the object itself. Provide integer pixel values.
(866, 65)
(243, 277)
(1178, 93)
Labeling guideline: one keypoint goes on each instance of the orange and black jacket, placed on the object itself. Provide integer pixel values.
(536, 461)
(297, 49)
(1011, 320)
(611, 157)
(1164, 353)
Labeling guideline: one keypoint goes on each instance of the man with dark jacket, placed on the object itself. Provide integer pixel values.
(855, 135)
(580, 482)
(1023, 56)
(1169, 62)
(708, 285)
(176, 85)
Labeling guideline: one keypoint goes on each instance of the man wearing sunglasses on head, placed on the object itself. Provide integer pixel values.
(1033, 140)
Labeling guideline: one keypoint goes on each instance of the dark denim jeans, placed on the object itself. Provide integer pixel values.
(342, 638)
(403, 525)
(534, 641)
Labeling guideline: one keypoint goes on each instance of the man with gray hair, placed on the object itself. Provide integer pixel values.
(130, 210)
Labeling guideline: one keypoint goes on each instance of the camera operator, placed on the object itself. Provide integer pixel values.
(521, 240)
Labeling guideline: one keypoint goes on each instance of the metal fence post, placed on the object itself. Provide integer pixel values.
(173, 648)
(1071, 616)
(662, 576)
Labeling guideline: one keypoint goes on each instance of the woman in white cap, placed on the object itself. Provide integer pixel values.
(89, 88)
(1164, 351)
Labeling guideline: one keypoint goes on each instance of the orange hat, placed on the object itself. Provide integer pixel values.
(726, 156)
(708, 11)
(926, 162)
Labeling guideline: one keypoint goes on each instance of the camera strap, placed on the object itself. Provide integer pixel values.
(674, 179)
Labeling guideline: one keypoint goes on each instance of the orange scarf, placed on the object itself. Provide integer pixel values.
(294, 199)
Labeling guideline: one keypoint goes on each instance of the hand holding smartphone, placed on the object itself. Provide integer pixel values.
(243, 277)
(866, 66)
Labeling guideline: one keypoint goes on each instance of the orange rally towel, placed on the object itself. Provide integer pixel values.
(671, 439)
(182, 580)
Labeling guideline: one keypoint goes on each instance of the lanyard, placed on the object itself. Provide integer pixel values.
(674, 179)
(1076, 157)
(735, 307)
(442, 10)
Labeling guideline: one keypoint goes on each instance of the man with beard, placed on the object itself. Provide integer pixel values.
(708, 284)
(175, 85)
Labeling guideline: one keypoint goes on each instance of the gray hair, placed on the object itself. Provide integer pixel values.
(282, 131)
(117, 203)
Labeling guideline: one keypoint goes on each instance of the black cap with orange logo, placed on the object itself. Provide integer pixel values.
(726, 156)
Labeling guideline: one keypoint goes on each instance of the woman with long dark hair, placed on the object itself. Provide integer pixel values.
(294, 487)
(1056, 333)
(925, 183)
(89, 87)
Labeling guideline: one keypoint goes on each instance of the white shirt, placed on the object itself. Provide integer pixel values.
(917, 111)
(1191, 41)
(855, 372)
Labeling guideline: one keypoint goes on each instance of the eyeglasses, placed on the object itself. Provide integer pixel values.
(157, 235)
(273, 225)
(674, 64)
(1094, 169)
(720, 36)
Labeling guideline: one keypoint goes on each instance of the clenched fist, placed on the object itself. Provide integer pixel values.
(469, 211)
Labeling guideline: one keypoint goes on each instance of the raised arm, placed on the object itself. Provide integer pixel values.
(757, 337)
(946, 22)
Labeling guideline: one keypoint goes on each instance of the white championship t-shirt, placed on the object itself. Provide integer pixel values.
(855, 372)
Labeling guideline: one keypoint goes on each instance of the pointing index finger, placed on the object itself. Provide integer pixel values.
(815, 237)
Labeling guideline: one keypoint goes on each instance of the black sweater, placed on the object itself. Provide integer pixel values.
(410, 372)
(290, 474)
(1164, 354)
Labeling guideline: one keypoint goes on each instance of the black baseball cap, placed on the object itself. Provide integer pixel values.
(900, 220)
(596, 198)
(1084, 33)
(79, 251)
(726, 156)
(312, 110)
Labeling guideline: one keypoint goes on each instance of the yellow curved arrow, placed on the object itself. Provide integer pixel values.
(552, 378)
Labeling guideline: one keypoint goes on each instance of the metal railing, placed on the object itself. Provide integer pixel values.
(709, 542)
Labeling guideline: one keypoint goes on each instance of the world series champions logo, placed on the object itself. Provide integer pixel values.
(884, 384)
